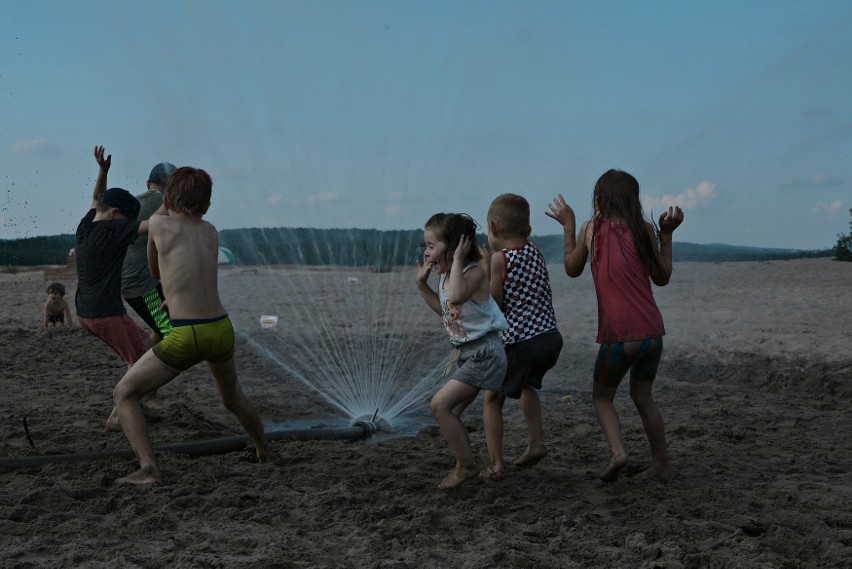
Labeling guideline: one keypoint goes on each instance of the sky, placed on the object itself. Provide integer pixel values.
(378, 114)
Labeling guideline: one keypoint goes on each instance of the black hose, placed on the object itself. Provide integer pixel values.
(196, 448)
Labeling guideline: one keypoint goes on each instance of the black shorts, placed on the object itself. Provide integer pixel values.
(148, 308)
(529, 360)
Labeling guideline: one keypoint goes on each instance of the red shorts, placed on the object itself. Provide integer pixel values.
(120, 333)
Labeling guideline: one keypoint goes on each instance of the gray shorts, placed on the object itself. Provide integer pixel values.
(480, 363)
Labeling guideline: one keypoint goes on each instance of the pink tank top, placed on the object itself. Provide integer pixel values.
(626, 307)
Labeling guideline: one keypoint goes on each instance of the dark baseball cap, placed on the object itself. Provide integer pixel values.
(160, 173)
(123, 200)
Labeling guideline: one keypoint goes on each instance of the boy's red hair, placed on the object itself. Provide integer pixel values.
(188, 190)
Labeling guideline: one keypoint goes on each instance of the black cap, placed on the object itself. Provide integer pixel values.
(123, 200)
(160, 173)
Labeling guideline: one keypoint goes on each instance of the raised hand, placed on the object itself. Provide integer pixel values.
(104, 163)
(462, 249)
(671, 219)
(562, 212)
(424, 269)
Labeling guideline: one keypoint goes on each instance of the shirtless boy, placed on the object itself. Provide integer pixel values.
(183, 254)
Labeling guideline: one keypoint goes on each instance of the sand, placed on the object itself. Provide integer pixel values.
(754, 388)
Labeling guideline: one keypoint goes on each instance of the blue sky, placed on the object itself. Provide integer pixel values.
(378, 114)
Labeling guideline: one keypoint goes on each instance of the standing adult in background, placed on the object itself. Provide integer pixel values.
(139, 289)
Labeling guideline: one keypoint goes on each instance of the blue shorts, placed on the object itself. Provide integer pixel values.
(480, 363)
(641, 357)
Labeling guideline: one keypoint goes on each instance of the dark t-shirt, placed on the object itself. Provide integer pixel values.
(100, 250)
(136, 278)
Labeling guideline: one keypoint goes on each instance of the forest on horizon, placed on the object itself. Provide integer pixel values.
(361, 247)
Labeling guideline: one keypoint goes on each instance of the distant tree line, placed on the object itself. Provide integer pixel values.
(373, 248)
(36, 250)
(843, 249)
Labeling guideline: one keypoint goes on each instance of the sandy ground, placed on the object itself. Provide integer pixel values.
(754, 387)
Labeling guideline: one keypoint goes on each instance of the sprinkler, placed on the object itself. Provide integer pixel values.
(373, 424)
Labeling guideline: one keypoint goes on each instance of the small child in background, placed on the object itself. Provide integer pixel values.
(474, 322)
(627, 253)
(56, 310)
(520, 284)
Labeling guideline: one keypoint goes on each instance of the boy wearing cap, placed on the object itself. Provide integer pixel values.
(103, 236)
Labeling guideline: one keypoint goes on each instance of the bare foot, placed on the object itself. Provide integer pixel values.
(492, 473)
(269, 457)
(666, 474)
(112, 424)
(458, 476)
(614, 468)
(532, 456)
(141, 476)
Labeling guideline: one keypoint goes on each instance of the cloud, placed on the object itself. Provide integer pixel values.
(274, 200)
(394, 210)
(826, 207)
(818, 181)
(702, 194)
(34, 147)
(322, 197)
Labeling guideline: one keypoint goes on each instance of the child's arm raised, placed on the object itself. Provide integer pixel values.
(101, 182)
(429, 295)
(669, 221)
(464, 285)
(575, 255)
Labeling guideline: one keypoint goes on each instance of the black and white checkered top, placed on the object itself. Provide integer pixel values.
(527, 298)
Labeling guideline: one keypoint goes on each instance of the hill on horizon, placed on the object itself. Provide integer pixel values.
(371, 247)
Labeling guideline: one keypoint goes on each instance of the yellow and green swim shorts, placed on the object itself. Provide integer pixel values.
(194, 341)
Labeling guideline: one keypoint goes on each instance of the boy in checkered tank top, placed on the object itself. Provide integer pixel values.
(521, 286)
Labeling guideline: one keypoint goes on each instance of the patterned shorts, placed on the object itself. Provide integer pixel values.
(641, 357)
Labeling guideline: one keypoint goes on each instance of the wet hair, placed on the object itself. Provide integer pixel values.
(449, 227)
(188, 190)
(510, 214)
(616, 195)
(58, 288)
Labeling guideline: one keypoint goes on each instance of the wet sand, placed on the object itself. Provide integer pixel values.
(754, 388)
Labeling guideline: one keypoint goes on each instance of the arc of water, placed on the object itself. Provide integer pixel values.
(353, 333)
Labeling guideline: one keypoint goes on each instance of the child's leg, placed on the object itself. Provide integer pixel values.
(611, 427)
(492, 415)
(652, 421)
(448, 397)
(642, 375)
(148, 373)
(459, 409)
(225, 379)
(531, 407)
(610, 368)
